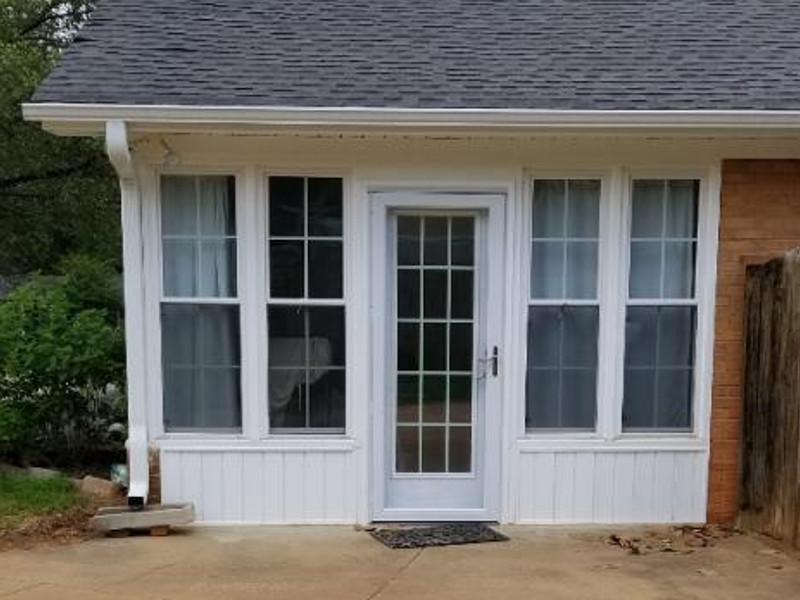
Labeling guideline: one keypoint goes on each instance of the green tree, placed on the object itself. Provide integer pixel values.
(57, 195)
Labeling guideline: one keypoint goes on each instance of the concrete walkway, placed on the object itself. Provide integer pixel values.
(275, 563)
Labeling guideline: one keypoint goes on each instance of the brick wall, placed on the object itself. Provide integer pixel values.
(760, 219)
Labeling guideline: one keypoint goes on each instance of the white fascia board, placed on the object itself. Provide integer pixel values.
(90, 119)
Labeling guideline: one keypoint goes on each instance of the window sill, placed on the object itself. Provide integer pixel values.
(625, 443)
(272, 444)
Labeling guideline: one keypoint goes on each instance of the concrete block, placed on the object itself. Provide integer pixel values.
(114, 518)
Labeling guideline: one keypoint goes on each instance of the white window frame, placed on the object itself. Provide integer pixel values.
(704, 298)
(265, 300)
(598, 301)
(613, 280)
(154, 291)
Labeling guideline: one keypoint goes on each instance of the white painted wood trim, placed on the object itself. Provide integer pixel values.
(88, 119)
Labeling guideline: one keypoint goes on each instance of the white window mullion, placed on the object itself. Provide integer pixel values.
(251, 293)
(613, 278)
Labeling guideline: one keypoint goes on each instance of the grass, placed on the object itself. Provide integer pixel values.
(23, 497)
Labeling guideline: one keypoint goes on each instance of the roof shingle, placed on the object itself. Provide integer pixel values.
(521, 54)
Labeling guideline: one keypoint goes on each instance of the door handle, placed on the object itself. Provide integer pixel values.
(492, 362)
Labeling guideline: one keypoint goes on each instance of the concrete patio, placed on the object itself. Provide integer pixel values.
(278, 563)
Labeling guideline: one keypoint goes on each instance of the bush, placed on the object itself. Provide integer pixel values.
(61, 363)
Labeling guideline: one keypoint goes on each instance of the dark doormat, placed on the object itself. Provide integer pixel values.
(449, 534)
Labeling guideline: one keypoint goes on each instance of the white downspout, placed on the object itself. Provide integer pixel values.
(119, 153)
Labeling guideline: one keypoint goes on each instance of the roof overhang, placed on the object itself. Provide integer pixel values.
(91, 119)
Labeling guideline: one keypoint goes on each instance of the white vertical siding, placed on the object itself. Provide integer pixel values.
(600, 486)
(257, 486)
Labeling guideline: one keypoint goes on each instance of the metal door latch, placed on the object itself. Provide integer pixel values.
(490, 363)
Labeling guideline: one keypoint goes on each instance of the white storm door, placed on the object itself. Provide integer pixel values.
(440, 429)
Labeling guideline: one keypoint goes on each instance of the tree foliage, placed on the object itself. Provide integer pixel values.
(57, 195)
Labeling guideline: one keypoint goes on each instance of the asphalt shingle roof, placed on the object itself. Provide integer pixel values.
(538, 54)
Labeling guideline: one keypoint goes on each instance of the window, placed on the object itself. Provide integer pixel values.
(662, 306)
(305, 308)
(200, 345)
(563, 311)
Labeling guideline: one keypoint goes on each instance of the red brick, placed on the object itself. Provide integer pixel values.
(759, 220)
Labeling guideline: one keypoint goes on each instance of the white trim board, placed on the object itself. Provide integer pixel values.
(89, 119)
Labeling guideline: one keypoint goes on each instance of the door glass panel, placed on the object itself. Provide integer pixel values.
(434, 395)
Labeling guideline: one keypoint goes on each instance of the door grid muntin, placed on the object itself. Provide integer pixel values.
(435, 386)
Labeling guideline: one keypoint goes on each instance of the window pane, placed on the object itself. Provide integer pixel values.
(562, 367)
(549, 208)
(461, 347)
(544, 335)
(286, 269)
(326, 335)
(408, 240)
(461, 295)
(542, 391)
(286, 326)
(408, 346)
(287, 398)
(460, 450)
(325, 206)
(218, 268)
(640, 395)
(433, 452)
(460, 399)
(179, 206)
(682, 209)
(434, 398)
(648, 209)
(180, 268)
(435, 293)
(579, 337)
(463, 241)
(679, 260)
(547, 270)
(435, 346)
(286, 206)
(659, 359)
(641, 326)
(326, 398)
(217, 208)
(407, 399)
(646, 270)
(581, 270)
(407, 449)
(677, 328)
(200, 354)
(306, 360)
(578, 398)
(325, 269)
(583, 216)
(408, 294)
(435, 242)
(197, 213)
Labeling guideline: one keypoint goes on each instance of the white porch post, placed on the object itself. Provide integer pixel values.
(132, 261)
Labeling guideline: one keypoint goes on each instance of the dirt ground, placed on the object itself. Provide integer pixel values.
(278, 563)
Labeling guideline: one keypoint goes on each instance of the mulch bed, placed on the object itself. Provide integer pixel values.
(60, 528)
(449, 534)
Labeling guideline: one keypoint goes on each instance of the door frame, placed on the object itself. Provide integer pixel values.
(382, 204)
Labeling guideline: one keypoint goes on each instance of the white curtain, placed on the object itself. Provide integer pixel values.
(200, 343)
(198, 227)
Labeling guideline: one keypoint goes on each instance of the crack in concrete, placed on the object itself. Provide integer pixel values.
(396, 576)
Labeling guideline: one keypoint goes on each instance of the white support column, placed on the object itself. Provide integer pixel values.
(132, 261)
